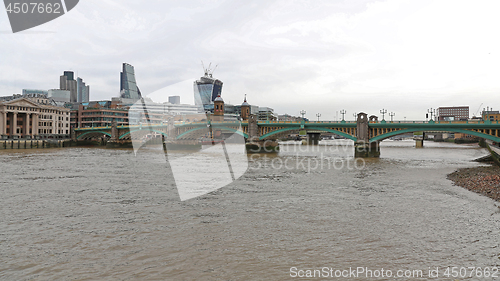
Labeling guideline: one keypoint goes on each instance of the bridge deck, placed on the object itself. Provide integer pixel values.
(378, 130)
(379, 124)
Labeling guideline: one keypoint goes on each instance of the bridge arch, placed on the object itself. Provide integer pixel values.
(473, 133)
(145, 129)
(308, 128)
(93, 132)
(214, 127)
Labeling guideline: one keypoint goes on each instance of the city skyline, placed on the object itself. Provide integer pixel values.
(405, 56)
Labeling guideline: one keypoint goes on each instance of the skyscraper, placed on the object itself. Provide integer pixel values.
(70, 75)
(128, 85)
(82, 91)
(67, 82)
(206, 90)
(79, 92)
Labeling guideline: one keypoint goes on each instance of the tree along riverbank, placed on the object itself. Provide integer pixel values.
(482, 180)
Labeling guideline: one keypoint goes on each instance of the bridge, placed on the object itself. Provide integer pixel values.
(366, 133)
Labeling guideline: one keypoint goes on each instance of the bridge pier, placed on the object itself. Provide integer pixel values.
(73, 135)
(313, 138)
(363, 148)
(253, 144)
(114, 141)
(419, 142)
(366, 149)
(262, 146)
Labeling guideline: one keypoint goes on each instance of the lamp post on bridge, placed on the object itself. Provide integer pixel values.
(303, 112)
(355, 115)
(318, 115)
(392, 114)
(430, 112)
(209, 126)
(343, 112)
(383, 112)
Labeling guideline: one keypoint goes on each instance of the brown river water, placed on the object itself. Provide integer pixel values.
(104, 214)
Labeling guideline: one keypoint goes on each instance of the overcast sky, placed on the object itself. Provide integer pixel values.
(318, 56)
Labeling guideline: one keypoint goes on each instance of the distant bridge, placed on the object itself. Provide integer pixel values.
(368, 131)
(272, 129)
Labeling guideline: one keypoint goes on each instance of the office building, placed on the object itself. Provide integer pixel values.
(82, 91)
(67, 82)
(98, 114)
(206, 90)
(453, 113)
(158, 112)
(38, 98)
(70, 75)
(174, 99)
(59, 95)
(288, 117)
(266, 113)
(79, 91)
(128, 85)
(34, 92)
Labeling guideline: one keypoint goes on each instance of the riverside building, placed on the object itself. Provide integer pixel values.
(491, 115)
(453, 113)
(98, 114)
(32, 116)
(103, 113)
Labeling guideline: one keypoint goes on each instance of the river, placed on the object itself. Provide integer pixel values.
(106, 214)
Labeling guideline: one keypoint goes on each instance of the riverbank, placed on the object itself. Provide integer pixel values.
(482, 180)
(30, 143)
(51, 143)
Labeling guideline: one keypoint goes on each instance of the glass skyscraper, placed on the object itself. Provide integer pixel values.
(82, 91)
(70, 75)
(206, 90)
(128, 86)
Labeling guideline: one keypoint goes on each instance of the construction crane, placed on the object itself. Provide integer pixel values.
(475, 113)
(208, 71)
